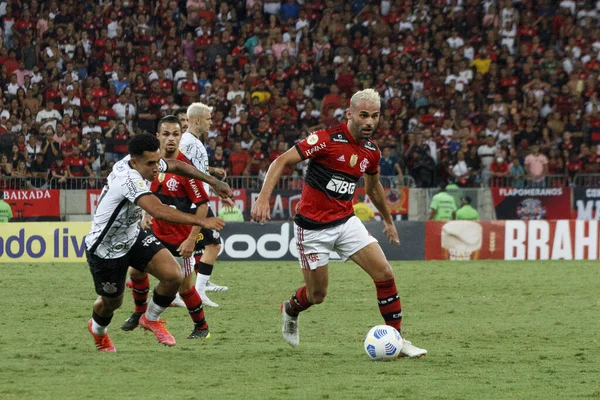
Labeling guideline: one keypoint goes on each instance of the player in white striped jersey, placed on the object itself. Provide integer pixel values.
(116, 241)
(209, 241)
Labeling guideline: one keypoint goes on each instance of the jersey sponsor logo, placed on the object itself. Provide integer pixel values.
(363, 165)
(195, 188)
(172, 184)
(369, 145)
(315, 149)
(341, 158)
(339, 138)
(339, 185)
(353, 160)
(148, 240)
(312, 139)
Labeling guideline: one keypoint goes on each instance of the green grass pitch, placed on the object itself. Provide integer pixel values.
(494, 330)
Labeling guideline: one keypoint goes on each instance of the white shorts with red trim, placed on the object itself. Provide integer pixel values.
(314, 246)
(187, 265)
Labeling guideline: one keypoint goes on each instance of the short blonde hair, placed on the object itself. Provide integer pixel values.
(198, 110)
(369, 96)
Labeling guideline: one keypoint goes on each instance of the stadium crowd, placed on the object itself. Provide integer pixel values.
(475, 92)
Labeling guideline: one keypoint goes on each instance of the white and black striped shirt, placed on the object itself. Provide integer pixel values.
(116, 223)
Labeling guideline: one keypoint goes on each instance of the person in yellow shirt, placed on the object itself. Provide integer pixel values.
(363, 211)
(261, 92)
(482, 62)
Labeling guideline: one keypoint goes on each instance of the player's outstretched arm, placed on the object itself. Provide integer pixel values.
(183, 169)
(157, 210)
(261, 210)
(376, 193)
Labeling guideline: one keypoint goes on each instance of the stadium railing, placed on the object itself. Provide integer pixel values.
(549, 181)
(587, 180)
(236, 182)
(295, 183)
(31, 183)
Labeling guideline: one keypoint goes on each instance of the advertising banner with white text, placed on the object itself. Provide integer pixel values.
(512, 240)
(64, 242)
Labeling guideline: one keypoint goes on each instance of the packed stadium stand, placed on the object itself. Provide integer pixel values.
(500, 93)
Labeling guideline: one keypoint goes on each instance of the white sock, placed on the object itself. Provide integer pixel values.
(201, 282)
(154, 311)
(98, 329)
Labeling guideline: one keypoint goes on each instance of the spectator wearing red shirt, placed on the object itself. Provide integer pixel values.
(574, 165)
(78, 167)
(97, 90)
(59, 172)
(256, 157)
(190, 90)
(11, 63)
(66, 147)
(105, 113)
(499, 170)
(332, 100)
(238, 160)
(563, 103)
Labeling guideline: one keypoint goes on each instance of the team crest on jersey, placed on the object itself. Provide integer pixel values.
(161, 177)
(142, 185)
(172, 184)
(353, 160)
(200, 237)
(312, 139)
(109, 287)
(363, 165)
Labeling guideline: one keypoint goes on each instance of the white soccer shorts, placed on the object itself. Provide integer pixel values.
(187, 265)
(346, 239)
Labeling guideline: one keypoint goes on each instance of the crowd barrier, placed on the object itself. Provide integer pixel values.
(236, 182)
(430, 240)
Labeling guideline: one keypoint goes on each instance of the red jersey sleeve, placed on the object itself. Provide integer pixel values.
(314, 146)
(195, 192)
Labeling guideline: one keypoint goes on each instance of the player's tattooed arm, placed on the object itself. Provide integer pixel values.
(186, 170)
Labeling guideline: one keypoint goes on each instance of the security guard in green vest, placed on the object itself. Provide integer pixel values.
(231, 214)
(466, 211)
(5, 210)
(443, 206)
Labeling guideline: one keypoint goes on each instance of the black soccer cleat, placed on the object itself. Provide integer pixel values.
(198, 333)
(132, 322)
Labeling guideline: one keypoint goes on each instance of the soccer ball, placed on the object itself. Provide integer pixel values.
(383, 343)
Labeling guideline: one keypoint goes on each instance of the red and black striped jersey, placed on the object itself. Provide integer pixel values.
(180, 193)
(336, 164)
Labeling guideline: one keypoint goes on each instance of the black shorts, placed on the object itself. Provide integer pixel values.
(110, 274)
(206, 237)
